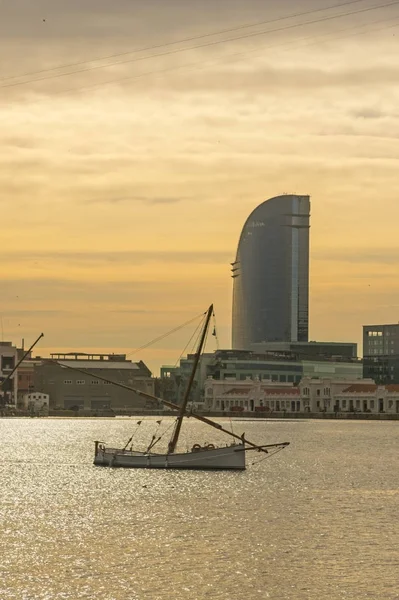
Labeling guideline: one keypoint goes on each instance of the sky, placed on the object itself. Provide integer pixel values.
(126, 177)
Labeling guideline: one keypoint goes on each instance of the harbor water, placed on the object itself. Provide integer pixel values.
(317, 521)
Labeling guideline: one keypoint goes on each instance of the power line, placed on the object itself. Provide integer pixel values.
(207, 44)
(200, 64)
(183, 40)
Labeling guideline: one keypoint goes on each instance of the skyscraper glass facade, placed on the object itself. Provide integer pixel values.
(271, 274)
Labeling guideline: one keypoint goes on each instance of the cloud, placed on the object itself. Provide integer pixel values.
(145, 199)
(134, 257)
(360, 255)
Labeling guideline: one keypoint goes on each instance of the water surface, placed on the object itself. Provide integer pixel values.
(318, 521)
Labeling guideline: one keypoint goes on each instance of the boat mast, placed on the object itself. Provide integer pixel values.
(182, 412)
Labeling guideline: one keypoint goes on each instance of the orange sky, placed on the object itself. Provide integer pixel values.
(122, 204)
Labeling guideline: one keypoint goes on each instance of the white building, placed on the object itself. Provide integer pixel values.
(318, 394)
(37, 403)
(251, 396)
(369, 398)
(311, 395)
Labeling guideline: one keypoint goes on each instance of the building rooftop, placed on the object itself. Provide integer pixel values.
(88, 356)
(107, 364)
(365, 388)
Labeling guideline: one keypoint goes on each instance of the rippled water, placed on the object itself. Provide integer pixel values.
(317, 521)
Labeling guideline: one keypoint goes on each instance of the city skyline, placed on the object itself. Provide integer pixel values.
(123, 203)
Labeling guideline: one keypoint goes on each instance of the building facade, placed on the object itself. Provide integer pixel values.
(381, 353)
(73, 390)
(326, 395)
(8, 387)
(310, 350)
(244, 365)
(271, 274)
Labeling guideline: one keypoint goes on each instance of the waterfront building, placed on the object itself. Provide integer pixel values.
(8, 361)
(26, 379)
(37, 403)
(271, 274)
(241, 365)
(310, 350)
(381, 353)
(70, 389)
(312, 395)
(369, 398)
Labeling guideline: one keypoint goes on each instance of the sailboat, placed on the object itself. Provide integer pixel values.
(200, 456)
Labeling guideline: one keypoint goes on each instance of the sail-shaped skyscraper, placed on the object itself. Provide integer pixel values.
(271, 274)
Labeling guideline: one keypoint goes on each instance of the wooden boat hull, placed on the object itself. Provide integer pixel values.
(228, 458)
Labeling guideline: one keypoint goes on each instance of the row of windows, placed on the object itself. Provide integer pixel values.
(82, 382)
(326, 391)
(379, 333)
(265, 377)
(245, 403)
(265, 367)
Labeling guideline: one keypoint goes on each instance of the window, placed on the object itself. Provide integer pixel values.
(68, 381)
(357, 403)
(318, 393)
(343, 403)
(94, 382)
(371, 403)
(106, 382)
(80, 382)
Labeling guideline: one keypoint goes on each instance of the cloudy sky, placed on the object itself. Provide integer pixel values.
(135, 138)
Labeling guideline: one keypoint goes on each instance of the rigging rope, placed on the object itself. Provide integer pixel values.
(257, 462)
(133, 434)
(215, 331)
(161, 436)
(196, 331)
(161, 337)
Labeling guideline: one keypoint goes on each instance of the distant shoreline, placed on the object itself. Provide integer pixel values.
(280, 416)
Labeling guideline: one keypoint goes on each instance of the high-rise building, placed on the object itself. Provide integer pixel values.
(271, 274)
(381, 353)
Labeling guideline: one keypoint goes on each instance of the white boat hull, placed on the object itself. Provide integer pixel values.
(228, 458)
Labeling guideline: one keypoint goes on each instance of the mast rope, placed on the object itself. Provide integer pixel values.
(162, 435)
(133, 434)
(161, 337)
(196, 331)
(257, 462)
(215, 331)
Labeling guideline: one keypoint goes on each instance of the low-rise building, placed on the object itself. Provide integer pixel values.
(37, 403)
(250, 396)
(26, 380)
(76, 390)
(310, 396)
(8, 387)
(368, 398)
(241, 365)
